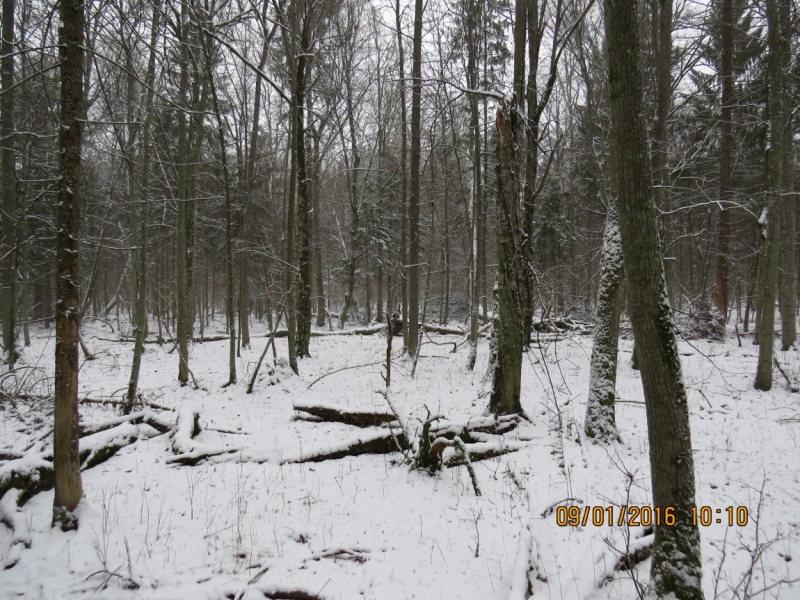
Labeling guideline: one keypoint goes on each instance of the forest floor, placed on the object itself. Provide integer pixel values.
(248, 523)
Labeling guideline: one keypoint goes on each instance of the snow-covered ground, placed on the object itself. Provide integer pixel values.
(249, 524)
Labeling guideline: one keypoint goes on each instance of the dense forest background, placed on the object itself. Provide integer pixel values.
(260, 153)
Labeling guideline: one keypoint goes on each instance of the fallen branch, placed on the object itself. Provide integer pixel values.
(354, 554)
(343, 369)
(792, 388)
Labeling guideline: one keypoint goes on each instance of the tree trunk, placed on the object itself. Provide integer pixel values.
(771, 255)
(403, 174)
(788, 251)
(663, 67)
(413, 208)
(230, 304)
(506, 343)
(473, 40)
(601, 421)
(725, 145)
(9, 248)
(303, 206)
(140, 304)
(676, 567)
(66, 461)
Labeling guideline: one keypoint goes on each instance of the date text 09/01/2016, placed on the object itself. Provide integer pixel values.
(646, 516)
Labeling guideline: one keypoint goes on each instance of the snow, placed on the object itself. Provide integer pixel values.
(248, 521)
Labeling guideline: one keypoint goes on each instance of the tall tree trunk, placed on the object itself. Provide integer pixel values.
(676, 567)
(140, 304)
(473, 49)
(505, 359)
(303, 204)
(66, 462)
(788, 250)
(601, 421)
(771, 255)
(230, 303)
(403, 174)
(413, 208)
(9, 248)
(663, 67)
(183, 199)
(725, 139)
(355, 200)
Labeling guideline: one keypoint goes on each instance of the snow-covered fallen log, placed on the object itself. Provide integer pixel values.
(187, 450)
(482, 451)
(12, 517)
(33, 473)
(369, 443)
(338, 414)
(466, 429)
(99, 447)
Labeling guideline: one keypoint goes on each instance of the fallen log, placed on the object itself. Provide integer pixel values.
(187, 451)
(14, 519)
(99, 447)
(377, 443)
(482, 451)
(442, 330)
(467, 430)
(160, 424)
(337, 414)
(104, 402)
(31, 474)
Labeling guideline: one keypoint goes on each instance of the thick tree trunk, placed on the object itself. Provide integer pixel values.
(414, 198)
(140, 304)
(676, 566)
(66, 461)
(8, 249)
(600, 417)
(788, 258)
(771, 254)
(506, 343)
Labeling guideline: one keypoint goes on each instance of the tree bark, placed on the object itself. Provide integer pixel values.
(676, 567)
(66, 461)
(771, 254)
(506, 344)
